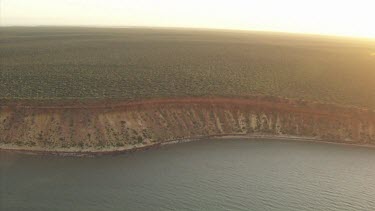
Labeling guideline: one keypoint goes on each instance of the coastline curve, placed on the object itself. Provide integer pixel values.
(107, 127)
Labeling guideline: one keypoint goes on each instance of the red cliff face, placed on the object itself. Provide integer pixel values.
(104, 126)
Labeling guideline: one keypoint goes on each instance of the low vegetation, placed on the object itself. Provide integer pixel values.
(82, 63)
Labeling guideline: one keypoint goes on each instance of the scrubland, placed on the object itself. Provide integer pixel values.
(93, 89)
(134, 64)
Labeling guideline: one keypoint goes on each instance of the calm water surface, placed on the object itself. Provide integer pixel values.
(230, 174)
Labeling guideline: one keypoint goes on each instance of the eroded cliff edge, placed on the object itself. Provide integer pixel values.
(106, 126)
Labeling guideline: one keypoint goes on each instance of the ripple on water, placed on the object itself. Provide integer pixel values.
(207, 175)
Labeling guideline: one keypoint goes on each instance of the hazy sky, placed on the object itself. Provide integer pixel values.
(338, 17)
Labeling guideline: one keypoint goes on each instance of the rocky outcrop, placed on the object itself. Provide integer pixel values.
(107, 125)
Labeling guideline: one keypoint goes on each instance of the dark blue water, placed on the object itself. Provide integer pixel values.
(230, 174)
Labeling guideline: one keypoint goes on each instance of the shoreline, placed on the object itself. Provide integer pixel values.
(124, 150)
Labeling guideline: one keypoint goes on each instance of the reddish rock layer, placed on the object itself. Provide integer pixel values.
(109, 125)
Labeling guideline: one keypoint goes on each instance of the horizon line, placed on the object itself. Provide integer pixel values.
(327, 35)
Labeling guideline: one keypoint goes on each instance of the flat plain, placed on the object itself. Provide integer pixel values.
(143, 63)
